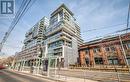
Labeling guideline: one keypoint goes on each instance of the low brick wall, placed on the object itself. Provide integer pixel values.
(107, 68)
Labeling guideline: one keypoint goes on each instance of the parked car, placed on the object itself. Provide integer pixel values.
(2, 67)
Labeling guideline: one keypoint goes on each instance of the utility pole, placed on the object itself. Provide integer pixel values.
(1, 46)
(23, 8)
(124, 53)
(128, 17)
(126, 33)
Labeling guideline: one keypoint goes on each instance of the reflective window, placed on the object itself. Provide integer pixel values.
(112, 48)
(107, 49)
(129, 45)
(66, 16)
(54, 20)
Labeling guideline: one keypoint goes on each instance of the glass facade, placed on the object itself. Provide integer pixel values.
(128, 60)
(60, 33)
(36, 34)
(54, 20)
(129, 45)
(56, 44)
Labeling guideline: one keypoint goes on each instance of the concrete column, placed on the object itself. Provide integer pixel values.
(21, 65)
(119, 55)
(104, 56)
(91, 57)
(33, 62)
(65, 42)
(82, 57)
(16, 65)
(58, 17)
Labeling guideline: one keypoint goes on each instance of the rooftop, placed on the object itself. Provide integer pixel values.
(107, 38)
(62, 6)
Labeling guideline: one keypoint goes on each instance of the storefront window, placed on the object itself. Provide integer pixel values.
(115, 61)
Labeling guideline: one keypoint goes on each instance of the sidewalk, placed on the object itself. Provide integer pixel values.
(72, 79)
(58, 78)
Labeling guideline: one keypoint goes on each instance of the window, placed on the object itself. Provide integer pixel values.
(54, 19)
(112, 48)
(128, 60)
(55, 44)
(107, 49)
(115, 61)
(98, 60)
(96, 50)
(129, 45)
(125, 46)
(110, 61)
(61, 15)
(87, 51)
(66, 15)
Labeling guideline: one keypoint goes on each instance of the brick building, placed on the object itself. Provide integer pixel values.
(106, 51)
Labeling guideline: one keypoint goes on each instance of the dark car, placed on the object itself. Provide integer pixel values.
(2, 67)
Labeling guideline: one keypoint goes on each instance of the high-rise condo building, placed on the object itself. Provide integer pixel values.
(63, 36)
(36, 34)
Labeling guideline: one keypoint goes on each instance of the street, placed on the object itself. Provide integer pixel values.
(14, 76)
(9, 76)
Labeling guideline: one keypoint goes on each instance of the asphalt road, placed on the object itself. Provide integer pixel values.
(9, 76)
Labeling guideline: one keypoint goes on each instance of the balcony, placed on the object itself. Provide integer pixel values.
(54, 28)
(65, 38)
(27, 40)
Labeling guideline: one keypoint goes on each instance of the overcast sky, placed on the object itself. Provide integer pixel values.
(90, 14)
